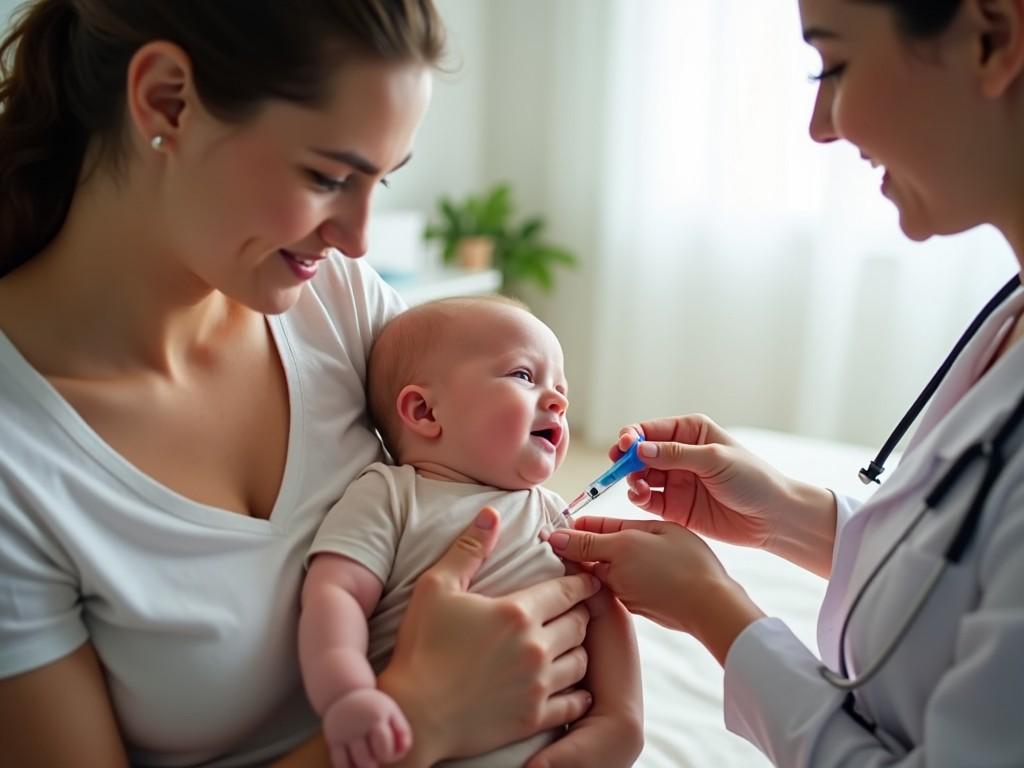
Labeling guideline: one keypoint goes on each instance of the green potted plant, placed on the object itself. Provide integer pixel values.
(479, 232)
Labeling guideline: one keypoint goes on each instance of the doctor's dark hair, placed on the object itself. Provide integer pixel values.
(63, 77)
(921, 19)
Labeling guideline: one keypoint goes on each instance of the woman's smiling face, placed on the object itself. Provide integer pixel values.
(266, 199)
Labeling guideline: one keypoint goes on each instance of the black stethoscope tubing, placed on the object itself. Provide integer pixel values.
(990, 451)
(876, 466)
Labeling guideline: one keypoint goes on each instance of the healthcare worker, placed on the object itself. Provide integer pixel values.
(921, 633)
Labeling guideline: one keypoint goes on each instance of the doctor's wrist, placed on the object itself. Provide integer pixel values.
(729, 611)
(805, 528)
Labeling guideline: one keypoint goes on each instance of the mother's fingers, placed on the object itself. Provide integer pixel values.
(552, 598)
(563, 708)
(566, 632)
(459, 564)
(567, 670)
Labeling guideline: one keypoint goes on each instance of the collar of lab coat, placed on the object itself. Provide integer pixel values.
(954, 420)
(963, 409)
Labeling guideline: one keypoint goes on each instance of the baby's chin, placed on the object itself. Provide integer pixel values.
(530, 479)
(520, 481)
(514, 478)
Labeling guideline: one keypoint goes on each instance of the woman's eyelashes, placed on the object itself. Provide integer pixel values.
(325, 183)
(828, 73)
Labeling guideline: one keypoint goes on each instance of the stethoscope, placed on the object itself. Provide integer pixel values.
(989, 451)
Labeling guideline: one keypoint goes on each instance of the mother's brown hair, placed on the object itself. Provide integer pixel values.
(64, 63)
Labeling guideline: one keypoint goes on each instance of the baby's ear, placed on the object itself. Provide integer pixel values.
(416, 411)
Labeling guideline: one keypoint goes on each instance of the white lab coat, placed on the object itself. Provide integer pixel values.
(952, 693)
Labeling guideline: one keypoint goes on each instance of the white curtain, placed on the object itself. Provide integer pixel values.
(743, 270)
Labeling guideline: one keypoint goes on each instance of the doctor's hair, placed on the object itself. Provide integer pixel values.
(63, 80)
(921, 19)
(401, 356)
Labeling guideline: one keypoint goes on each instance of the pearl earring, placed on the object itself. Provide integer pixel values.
(157, 142)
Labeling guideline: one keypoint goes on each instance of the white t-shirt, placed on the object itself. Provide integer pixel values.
(397, 524)
(192, 609)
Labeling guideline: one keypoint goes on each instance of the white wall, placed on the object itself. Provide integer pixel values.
(449, 156)
(525, 106)
(6, 6)
(545, 135)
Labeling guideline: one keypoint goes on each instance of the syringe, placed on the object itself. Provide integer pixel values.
(627, 463)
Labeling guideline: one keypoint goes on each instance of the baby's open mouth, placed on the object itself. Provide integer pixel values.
(552, 434)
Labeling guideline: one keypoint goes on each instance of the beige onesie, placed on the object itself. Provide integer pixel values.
(397, 524)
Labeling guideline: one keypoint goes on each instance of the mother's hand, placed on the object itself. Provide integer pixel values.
(473, 673)
(664, 572)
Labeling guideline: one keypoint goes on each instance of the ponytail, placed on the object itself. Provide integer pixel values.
(42, 144)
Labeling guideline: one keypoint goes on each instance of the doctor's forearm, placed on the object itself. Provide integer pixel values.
(729, 611)
(805, 531)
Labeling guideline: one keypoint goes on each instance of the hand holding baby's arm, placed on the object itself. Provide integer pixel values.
(362, 725)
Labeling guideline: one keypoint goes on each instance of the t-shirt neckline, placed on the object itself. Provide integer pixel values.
(98, 450)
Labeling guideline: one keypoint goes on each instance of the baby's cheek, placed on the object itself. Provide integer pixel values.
(510, 425)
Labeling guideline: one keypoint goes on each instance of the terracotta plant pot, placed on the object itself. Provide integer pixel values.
(475, 253)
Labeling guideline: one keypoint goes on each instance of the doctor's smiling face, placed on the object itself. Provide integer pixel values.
(922, 94)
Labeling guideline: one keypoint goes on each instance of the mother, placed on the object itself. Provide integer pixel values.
(183, 337)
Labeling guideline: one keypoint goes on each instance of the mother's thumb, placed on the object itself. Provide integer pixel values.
(468, 552)
(699, 459)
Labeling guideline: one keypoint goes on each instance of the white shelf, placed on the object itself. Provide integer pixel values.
(446, 282)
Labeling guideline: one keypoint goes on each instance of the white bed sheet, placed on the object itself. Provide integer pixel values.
(682, 682)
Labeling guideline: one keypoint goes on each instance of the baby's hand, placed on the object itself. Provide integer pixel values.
(364, 729)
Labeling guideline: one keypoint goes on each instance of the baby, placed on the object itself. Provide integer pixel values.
(470, 397)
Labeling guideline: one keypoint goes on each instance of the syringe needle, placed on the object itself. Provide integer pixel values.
(627, 463)
(576, 504)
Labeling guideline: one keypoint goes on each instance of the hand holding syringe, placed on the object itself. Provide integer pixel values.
(628, 463)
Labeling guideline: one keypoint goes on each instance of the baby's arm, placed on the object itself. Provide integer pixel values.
(360, 722)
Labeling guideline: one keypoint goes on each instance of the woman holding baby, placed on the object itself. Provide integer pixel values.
(184, 330)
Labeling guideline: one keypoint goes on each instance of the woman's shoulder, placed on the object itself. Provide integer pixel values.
(29, 410)
(351, 291)
(339, 314)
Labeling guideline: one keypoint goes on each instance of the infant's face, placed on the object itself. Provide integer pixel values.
(502, 404)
